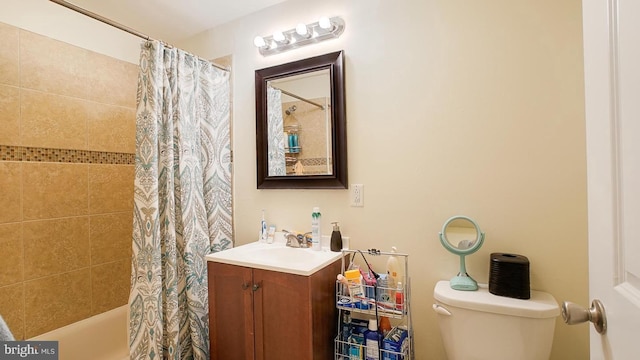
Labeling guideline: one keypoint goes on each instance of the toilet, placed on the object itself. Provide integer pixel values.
(477, 325)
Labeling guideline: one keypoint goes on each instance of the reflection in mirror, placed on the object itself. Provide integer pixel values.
(461, 234)
(300, 124)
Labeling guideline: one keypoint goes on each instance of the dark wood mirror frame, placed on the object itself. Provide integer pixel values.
(338, 179)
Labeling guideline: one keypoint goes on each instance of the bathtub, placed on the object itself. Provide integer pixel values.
(100, 337)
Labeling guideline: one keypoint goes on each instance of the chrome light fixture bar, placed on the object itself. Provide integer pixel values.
(301, 35)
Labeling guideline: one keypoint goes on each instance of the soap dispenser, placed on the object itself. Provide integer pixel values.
(336, 238)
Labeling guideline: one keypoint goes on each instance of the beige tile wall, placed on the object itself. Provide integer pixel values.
(312, 136)
(65, 220)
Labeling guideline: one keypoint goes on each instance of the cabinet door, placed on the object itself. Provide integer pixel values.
(283, 318)
(230, 312)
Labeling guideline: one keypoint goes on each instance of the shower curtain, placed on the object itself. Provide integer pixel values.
(275, 133)
(182, 201)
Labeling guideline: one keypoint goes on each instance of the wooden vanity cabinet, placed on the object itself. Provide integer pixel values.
(269, 315)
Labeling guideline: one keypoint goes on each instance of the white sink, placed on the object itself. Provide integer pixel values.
(276, 257)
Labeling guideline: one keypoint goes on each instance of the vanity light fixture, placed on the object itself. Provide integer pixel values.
(324, 29)
(303, 31)
(258, 41)
(279, 37)
(325, 23)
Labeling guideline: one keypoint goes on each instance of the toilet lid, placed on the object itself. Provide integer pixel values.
(540, 305)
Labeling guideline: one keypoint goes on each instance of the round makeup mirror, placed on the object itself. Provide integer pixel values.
(462, 236)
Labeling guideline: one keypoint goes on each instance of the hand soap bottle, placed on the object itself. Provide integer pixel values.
(336, 238)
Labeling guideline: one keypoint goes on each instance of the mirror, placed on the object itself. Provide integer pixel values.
(462, 236)
(300, 124)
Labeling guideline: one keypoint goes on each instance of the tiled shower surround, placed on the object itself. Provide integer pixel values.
(313, 135)
(67, 138)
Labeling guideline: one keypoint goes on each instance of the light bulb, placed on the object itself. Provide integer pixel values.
(258, 41)
(325, 23)
(278, 36)
(302, 30)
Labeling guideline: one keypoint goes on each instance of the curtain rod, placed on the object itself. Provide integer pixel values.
(299, 97)
(114, 24)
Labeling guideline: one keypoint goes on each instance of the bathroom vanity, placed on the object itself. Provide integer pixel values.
(271, 302)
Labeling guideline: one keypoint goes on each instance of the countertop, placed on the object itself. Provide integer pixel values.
(276, 257)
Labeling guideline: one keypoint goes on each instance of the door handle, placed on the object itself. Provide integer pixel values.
(576, 314)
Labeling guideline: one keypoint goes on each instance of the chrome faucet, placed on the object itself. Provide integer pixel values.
(297, 241)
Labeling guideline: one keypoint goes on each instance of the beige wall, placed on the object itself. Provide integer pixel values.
(453, 107)
(66, 181)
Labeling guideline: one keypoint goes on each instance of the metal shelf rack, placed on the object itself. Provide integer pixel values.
(374, 307)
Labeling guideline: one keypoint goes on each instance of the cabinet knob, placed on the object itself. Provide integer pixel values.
(245, 286)
(256, 287)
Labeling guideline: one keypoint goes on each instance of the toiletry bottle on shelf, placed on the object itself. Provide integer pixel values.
(286, 142)
(400, 297)
(385, 326)
(263, 228)
(372, 340)
(345, 333)
(316, 236)
(290, 141)
(336, 238)
(393, 270)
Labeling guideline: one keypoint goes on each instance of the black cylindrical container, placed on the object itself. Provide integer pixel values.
(509, 276)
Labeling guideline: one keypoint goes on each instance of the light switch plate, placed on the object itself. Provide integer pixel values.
(357, 195)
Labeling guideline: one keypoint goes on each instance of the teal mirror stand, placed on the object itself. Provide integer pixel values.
(456, 236)
(463, 281)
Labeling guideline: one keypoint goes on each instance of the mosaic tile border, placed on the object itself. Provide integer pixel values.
(314, 161)
(37, 154)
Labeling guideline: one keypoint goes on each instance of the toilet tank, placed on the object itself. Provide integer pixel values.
(477, 325)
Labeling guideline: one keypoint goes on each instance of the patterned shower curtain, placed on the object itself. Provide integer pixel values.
(275, 133)
(182, 204)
